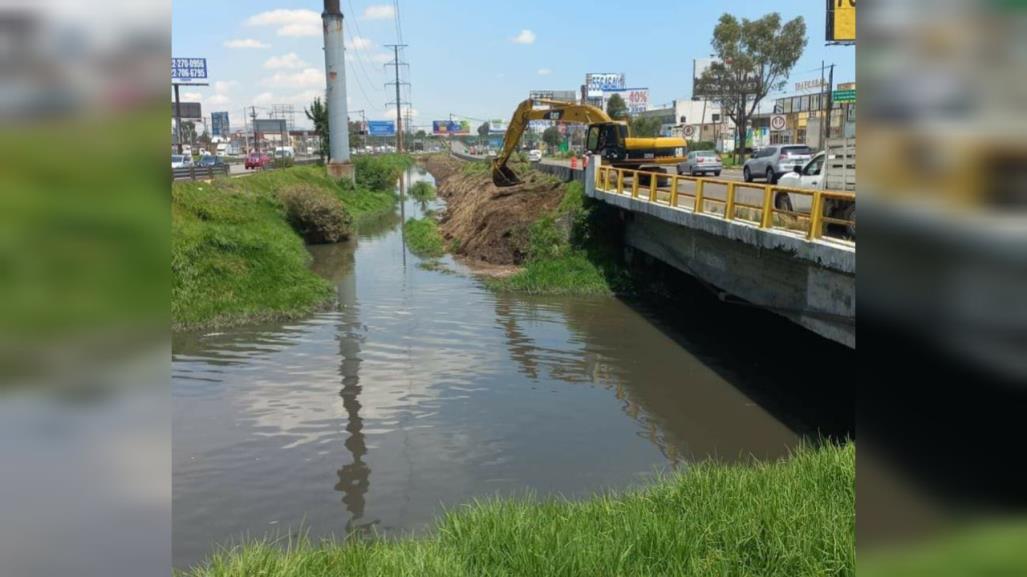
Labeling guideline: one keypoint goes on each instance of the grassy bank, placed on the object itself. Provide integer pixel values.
(234, 256)
(423, 237)
(572, 252)
(790, 518)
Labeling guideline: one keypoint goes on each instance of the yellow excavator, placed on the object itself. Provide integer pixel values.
(607, 138)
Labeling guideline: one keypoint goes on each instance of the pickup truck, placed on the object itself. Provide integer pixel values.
(833, 168)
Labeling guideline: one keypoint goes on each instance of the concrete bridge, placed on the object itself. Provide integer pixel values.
(733, 238)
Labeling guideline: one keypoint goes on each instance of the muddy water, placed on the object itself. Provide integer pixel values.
(424, 390)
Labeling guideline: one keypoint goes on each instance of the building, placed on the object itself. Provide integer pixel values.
(804, 114)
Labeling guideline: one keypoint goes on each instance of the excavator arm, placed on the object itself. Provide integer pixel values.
(526, 112)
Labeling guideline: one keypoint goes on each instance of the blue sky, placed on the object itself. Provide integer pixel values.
(468, 58)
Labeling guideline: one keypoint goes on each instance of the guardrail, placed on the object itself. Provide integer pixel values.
(646, 186)
(199, 172)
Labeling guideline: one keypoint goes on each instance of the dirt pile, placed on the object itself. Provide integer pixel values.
(489, 224)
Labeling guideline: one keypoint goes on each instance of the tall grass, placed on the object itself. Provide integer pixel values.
(791, 518)
(423, 237)
(234, 257)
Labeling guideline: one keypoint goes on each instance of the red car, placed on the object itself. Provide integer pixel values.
(255, 160)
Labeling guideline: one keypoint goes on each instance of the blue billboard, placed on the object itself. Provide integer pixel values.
(188, 68)
(381, 127)
(219, 124)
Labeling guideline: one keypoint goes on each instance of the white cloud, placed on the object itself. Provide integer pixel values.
(308, 77)
(379, 12)
(381, 57)
(245, 43)
(191, 97)
(525, 37)
(263, 99)
(290, 60)
(544, 72)
(289, 22)
(358, 43)
(390, 113)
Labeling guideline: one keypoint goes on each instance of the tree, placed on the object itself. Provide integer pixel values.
(188, 130)
(483, 132)
(754, 58)
(421, 134)
(551, 136)
(616, 108)
(318, 114)
(645, 126)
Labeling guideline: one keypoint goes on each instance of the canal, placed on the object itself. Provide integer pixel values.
(423, 390)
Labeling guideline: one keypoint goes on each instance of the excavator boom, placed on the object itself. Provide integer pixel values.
(611, 136)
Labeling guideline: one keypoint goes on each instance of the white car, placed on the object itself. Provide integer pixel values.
(491, 154)
(181, 161)
(535, 155)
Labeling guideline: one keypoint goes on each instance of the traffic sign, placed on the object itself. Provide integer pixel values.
(844, 96)
(778, 122)
(689, 131)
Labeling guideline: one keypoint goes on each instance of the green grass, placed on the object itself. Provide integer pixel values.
(423, 237)
(568, 274)
(791, 518)
(234, 257)
(423, 191)
(993, 548)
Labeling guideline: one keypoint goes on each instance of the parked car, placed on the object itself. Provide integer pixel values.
(701, 162)
(210, 160)
(773, 162)
(181, 161)
(535, 155)
(255, 160)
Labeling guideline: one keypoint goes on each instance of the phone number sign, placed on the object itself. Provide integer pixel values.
(188, 68)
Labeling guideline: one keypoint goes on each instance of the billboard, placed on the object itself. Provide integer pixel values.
(381, 127)
(598, 82)
(451, 127)
(269, 126)
(497, 125)
(188, 69)
(188, 110)
(637, 99)
(841, 21)
(219, 124)
(699, 66)
(562, 95)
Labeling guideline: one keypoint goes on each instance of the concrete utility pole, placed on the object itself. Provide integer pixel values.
(399, 103)
(339, 165)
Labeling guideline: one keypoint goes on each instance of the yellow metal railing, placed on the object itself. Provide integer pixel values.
(662, 188)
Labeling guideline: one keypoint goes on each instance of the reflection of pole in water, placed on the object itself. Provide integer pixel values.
(354, 477)
(403, 216)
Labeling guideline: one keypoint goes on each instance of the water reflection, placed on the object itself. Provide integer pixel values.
(447, 392)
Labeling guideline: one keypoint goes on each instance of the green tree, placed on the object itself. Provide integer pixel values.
(188, 130)
(754, 59)
(318, 114)
(645, 126)
(483, 132)
(421, 134)
(616, 108)
(551, 136)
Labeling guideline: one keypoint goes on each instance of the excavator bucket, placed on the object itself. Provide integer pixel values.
(502, 175)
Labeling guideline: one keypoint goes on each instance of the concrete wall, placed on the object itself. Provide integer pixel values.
(810, 283)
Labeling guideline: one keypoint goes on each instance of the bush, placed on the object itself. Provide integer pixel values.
(380, 172)
(315, 214)
(422, 191)
(546, 241)
(703, 145)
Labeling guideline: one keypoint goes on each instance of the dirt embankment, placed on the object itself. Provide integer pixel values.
(489, 224)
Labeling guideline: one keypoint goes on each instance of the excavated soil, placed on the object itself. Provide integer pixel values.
(490, 225)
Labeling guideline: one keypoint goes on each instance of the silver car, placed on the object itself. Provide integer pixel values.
(773, 162)
(701, 162)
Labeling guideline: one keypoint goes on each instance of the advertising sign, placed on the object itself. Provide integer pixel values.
(699, 66)
(816, 84)
(497, 125)
(269, 126)
(562, 95)
(188, 68)
(219, 124)
(187, 110)
(841, 21)
(598, 82)
(450, 127)
(381, 127)
(637, 99)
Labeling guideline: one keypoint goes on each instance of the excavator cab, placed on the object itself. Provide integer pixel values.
(607, 140)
